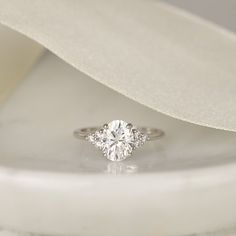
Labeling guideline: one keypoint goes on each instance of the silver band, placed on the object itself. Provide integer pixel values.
(152, 133)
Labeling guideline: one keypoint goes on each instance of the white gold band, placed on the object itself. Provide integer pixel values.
(152, 133)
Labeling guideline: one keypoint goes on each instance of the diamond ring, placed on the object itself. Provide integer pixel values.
(118, 139)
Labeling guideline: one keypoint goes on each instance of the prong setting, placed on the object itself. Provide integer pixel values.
(105, 126)
(129, 126)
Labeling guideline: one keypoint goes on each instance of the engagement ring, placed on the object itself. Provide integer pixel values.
(118, 139)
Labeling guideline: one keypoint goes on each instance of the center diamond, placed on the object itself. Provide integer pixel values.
(117, 140)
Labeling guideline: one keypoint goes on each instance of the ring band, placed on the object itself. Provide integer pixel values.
(118, 138)
(153, 133)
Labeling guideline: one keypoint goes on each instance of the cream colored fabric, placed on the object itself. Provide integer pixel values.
(17, 55)
(155, 54)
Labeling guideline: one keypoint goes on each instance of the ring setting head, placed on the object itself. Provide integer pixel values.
(117, 139)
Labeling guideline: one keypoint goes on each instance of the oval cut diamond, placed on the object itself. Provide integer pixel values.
(117, 140)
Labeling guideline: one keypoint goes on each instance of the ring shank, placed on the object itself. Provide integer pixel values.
(152, 133)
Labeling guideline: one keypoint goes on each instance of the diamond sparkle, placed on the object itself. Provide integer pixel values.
(117, 140)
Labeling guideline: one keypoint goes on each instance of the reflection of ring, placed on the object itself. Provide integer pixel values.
(118, 139)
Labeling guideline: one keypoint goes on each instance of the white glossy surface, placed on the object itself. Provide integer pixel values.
(52, 183)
